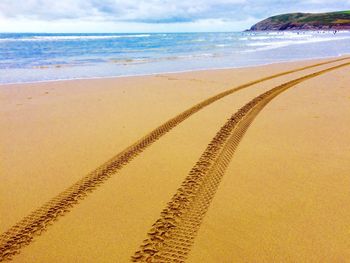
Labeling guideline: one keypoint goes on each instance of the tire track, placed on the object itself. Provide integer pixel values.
(37, 222)
(172, 235)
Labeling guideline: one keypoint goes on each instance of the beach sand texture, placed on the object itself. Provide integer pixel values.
(270, 158)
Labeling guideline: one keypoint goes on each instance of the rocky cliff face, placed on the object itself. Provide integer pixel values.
(306, 21)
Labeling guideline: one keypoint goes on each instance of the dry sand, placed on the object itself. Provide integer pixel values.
(283, 197)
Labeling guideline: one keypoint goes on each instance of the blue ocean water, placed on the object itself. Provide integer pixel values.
(42, 57)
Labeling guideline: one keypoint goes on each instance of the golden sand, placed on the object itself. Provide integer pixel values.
(282, 198)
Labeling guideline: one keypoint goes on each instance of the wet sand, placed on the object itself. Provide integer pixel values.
(282, 194)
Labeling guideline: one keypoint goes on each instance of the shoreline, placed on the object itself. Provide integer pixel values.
(171, 72)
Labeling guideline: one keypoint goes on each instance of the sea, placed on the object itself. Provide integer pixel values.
(34, 57)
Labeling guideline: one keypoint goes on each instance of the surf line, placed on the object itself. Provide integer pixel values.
(172, 235)
(22, 233)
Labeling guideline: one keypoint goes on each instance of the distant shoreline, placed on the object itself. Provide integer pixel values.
(170, 72)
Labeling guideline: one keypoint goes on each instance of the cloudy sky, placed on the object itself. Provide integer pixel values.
(148, 15)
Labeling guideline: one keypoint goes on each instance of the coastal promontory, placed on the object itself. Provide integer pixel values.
(305, 21)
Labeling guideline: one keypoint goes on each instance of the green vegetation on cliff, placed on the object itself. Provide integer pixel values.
(306, 21)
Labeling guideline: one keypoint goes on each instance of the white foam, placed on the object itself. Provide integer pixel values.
(76, 37)
(222, 45)
(276, 44)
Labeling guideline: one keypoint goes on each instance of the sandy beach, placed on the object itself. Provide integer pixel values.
(270, 186)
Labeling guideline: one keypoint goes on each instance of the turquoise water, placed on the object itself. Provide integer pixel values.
(43, 57)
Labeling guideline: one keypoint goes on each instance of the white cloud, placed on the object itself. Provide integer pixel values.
(113, 9)
(148, 15)
(88, 26)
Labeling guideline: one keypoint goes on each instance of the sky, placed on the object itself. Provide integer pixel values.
(98, 16)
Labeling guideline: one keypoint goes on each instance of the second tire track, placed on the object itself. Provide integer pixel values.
(172, 235)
